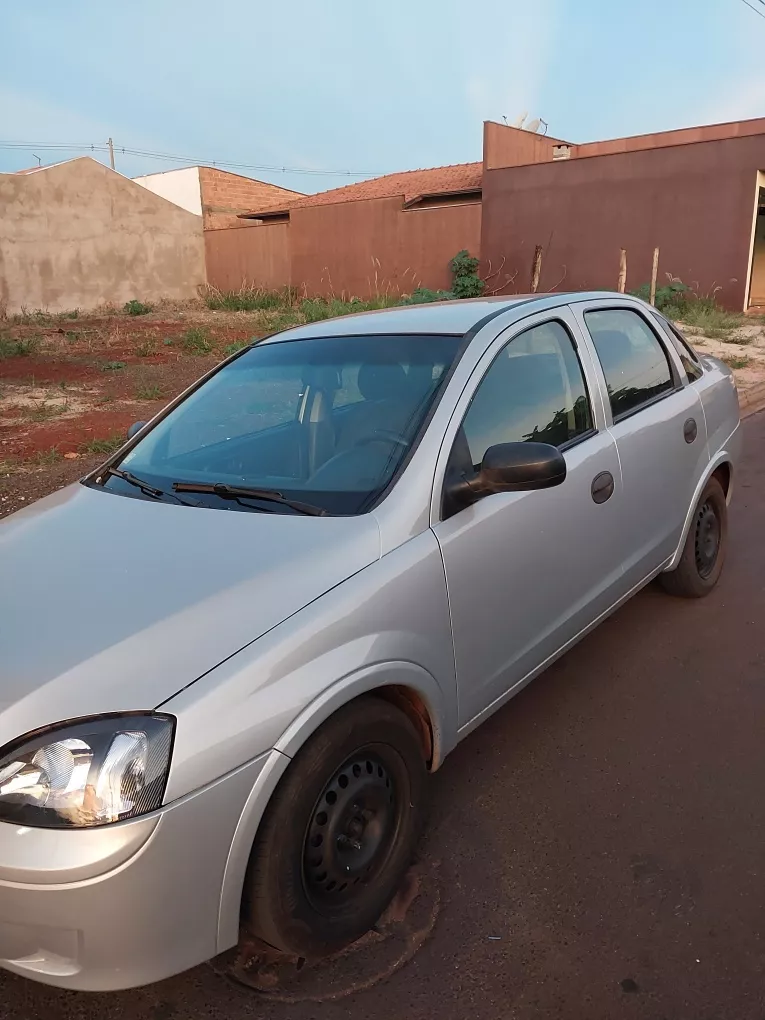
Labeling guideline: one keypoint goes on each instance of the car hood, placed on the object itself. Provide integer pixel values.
(110, 603)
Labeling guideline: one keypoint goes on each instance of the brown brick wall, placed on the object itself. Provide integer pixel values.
(224, 195)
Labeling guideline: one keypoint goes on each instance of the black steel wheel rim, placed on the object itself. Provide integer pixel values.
(707, 544)
(351, 830)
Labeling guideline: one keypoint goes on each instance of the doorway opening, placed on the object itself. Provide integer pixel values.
(757, 275)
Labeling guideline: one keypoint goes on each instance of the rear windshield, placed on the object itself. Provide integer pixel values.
(324, 421)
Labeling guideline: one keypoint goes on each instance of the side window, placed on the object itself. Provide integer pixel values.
(533, 391)
(691, 364)
(635, 364)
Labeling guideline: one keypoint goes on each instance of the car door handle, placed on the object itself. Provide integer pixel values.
(690, 430)
(602, 487)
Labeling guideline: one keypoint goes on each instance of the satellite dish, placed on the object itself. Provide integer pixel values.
(534, 125)
(518, 122)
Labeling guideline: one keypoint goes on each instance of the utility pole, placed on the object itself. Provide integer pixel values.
(111, 153)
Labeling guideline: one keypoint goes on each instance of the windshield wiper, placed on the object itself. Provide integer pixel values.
(247, 492)
(131, 479)
(145, 487)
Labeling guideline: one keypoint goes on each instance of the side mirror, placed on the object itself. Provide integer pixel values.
(134, 428)
(511, 467)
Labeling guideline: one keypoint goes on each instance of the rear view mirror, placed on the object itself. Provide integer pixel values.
(135, 428)
(511, 467)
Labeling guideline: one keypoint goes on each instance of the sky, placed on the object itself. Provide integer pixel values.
(359, 87)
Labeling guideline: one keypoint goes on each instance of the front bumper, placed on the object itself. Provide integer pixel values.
(121, 905)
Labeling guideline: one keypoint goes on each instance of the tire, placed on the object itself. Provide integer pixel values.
(703, 555)
(348, 807)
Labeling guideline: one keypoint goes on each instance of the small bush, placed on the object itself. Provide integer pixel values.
(136, 308)
(113, 366)
(196, 341)
(466, 283)
(675, 294)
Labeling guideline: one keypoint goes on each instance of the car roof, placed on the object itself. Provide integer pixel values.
(437, 317)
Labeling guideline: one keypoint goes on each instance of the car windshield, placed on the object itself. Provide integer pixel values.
(323, 422)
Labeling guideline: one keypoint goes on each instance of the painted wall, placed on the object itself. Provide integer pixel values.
(693, 201)
(179, 186)
(351, 248)
(79, 234)
(249, 256)
(508, 146)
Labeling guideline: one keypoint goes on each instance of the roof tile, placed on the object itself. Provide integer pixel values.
(409, 183)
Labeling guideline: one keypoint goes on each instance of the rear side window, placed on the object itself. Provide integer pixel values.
(687, 355)
(635, 364)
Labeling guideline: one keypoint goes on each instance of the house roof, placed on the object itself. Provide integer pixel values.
(412, 184)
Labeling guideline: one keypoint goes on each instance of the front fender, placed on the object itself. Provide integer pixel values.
(381, 675)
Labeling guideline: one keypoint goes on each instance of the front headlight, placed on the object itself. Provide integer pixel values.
(87, 772)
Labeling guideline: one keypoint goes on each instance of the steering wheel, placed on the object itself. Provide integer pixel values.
(385, 435)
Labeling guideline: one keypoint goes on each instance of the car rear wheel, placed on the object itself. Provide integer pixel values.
(339, 833)
(701, 564)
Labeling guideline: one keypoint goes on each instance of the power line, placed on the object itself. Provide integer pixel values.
(755, 9)
(148, 154)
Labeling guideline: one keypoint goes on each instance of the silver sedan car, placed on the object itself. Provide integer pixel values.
(230, 656)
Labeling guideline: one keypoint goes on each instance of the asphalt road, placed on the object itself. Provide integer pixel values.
(599, 844)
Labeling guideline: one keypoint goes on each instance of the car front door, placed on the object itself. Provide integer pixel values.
(527, 571)
(657, 421)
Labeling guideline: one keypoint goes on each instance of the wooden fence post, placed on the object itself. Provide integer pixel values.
(536, 268)
(654, 274)
(622, 271)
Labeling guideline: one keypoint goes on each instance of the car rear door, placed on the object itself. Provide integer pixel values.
(657, 420)
(527, 571)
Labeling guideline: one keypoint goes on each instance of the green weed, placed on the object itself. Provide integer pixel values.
(45, 458)
(41, 410)
(735, 360)
(237, 345)
(18, 348)
(144, 349)
(423, 296)
(103, 446)
(196, 341)
(136, 308)
(149, 393)
(113, 366)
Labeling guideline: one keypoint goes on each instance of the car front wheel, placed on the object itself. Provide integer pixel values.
(339, 832)
(704, 551)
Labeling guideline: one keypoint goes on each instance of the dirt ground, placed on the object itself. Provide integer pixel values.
(70, 386)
